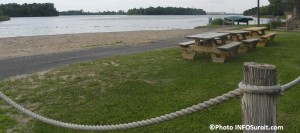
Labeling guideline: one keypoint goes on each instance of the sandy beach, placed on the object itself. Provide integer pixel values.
(35, 45)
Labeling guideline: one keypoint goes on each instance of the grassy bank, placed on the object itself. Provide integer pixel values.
(136, 87)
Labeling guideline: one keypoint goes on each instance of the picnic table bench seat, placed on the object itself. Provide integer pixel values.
(187, 50)
(248, 45)
(251, 40)
(267, 39)
(229, 46)
(186, 44)
(229, 49)
(268, 35)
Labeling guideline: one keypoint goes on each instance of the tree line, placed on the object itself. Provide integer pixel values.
(81, 12)
(48, 9)
(165, 11)
(142, 11)
(275, 8)
(29, 10)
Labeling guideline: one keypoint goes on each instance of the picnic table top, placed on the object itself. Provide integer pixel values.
(255, 28)
(235, 32)
(207, 36)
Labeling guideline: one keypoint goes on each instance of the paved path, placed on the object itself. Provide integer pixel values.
(37, 63)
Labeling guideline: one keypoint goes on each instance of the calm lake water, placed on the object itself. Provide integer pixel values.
(34, 26)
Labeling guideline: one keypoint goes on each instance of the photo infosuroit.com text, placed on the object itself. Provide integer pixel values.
(244, 127)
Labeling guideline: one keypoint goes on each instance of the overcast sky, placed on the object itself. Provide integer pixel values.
(236, 6)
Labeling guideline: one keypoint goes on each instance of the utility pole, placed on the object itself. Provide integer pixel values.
(258, 14)
(296, 8)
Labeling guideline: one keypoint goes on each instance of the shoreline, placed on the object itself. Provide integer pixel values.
(49, 44)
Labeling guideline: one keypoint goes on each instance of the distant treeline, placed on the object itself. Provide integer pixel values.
(275, 8)
(166, 11)
(81, 12)
(28, 10)
(264, 10)
(142, 11)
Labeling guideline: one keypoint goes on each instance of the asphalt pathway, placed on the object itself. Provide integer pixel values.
(31, 64)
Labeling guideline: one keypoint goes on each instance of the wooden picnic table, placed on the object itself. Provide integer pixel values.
(215, 44)
(236, 33)
(241, 36)
(209, 39)
(256, 31)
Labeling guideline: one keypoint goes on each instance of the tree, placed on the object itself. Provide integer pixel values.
(29, 10)
(275, 8)
(1, 13)
(3, 17)
(296, 8)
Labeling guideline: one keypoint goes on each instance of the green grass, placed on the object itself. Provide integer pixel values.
(5, 121)
(135, 87)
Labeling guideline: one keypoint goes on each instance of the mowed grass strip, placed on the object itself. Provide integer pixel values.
(141, 86)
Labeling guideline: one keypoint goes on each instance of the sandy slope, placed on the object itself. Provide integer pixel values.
(24, 46)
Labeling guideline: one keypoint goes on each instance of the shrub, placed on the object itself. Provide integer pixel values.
(217, 21)
(4, 18)
(274, 23)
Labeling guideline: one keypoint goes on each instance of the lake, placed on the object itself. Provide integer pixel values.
(34, 26)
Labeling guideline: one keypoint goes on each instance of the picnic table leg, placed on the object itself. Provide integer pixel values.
(214, 54)
(256, 34)
(262, 42)
(216, 59)
(263, 32)
(243, 48)
(253, 45)
(210, 43)
(223, 39)
(235, 37)
(188, 53)
(272, 38)
(197, 42)
(244, 36)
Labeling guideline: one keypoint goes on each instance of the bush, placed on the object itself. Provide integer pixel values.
(274, 23)
(217, 21)
(4, 18)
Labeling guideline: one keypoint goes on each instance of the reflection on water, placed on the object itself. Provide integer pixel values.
(33, 26)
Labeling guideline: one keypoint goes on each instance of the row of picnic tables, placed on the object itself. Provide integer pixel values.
(223, 44)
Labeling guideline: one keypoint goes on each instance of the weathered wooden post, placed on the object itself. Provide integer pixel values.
(260, 92)
(258, 14)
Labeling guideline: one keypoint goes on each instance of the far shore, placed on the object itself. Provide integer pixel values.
(36, 45)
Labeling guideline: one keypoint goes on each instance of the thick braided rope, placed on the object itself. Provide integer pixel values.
(291, 84)
(269, 89)
(156, 120)
(260, 89)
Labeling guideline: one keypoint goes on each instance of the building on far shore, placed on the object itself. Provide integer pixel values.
(222, 13)
(215, 13)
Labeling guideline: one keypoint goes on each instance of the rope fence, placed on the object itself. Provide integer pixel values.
(198, 107)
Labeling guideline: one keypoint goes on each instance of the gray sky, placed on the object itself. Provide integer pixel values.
(237, 6)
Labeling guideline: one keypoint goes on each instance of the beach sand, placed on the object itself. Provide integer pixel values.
(36, 45)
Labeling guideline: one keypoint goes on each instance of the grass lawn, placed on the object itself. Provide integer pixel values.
(135, 87)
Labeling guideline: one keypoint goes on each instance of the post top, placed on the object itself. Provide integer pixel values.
(259, 65)
(257, 74)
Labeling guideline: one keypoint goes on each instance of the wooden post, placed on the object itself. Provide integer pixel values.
(259, 109)
(258, 14)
